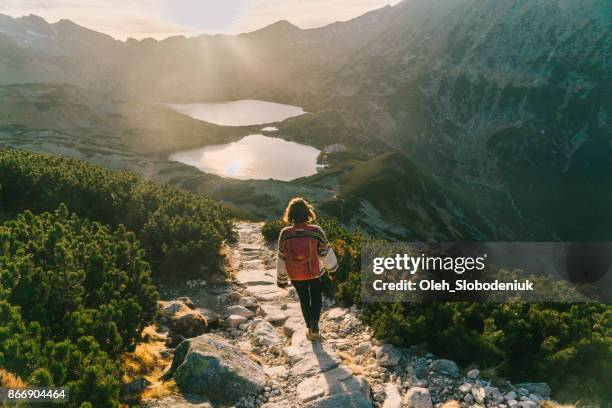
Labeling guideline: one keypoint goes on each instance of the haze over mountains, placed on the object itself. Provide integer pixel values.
(499, 109)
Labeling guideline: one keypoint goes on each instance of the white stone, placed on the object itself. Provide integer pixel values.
(266, 335)
(337, 381)
(479, 393)
(235, 320)
(393, 398)
(465, 388)
(417, 397)
(240, 311)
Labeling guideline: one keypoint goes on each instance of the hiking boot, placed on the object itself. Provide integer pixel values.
(314, 335)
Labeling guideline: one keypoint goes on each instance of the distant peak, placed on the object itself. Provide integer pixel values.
(279, 26)
(284, 23)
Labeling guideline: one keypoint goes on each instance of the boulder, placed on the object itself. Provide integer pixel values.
(387, 355)
(208, 365)
(541, 389)
(234, 321)
(417, 397)
(447, 367)
(240, 311)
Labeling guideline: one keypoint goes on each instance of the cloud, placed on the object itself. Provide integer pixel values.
(163, 18)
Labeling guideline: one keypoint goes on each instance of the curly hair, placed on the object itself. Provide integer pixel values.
(298, 211)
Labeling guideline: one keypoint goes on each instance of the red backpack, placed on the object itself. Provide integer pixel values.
(301, 254)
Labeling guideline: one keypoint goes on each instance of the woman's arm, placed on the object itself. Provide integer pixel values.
(327, 256)
(281, 268)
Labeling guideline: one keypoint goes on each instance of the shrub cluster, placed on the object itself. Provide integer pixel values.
(74, 294)
(568, 345)
(181, 232)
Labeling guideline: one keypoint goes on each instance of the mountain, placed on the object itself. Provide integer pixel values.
(494, 99)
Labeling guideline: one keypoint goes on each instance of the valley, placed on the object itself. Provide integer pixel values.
(438, 83)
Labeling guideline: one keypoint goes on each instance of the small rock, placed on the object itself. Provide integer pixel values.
(447, 367)
(469, 399)
(362, 348)
(135, 387)
(265, 334)
(387, 355)
(493, 394)
(473, 374)
(542, 389)
(248, 302)
(235, 320)
(186, 301)
(534, 397)
(479, 393)
(240, 311)
(512, 395)
(465, 388)
(417, 397)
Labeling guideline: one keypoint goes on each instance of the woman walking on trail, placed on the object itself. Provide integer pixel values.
(303, 256)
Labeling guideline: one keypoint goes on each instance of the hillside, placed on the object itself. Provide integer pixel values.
(521, 119)
(181, 233)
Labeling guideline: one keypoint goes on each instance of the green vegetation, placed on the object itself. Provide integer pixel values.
(567, 345)
(78, 247)
(74, 294)
(181, 232)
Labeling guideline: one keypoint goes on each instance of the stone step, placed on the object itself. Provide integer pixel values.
(340, 380)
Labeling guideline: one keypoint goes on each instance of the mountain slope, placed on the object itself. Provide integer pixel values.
(496, 94)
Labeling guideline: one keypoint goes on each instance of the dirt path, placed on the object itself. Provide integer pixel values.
(307, 373)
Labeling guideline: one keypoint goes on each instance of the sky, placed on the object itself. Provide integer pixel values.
(163, 18)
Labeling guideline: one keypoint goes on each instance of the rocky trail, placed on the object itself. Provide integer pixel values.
(253, 352)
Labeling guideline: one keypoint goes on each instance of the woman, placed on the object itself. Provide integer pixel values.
(304, 255)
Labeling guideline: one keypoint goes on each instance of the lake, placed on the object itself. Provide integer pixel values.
(255, 156)
(238, 113)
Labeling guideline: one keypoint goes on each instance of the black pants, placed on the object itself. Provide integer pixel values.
(309, 292)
